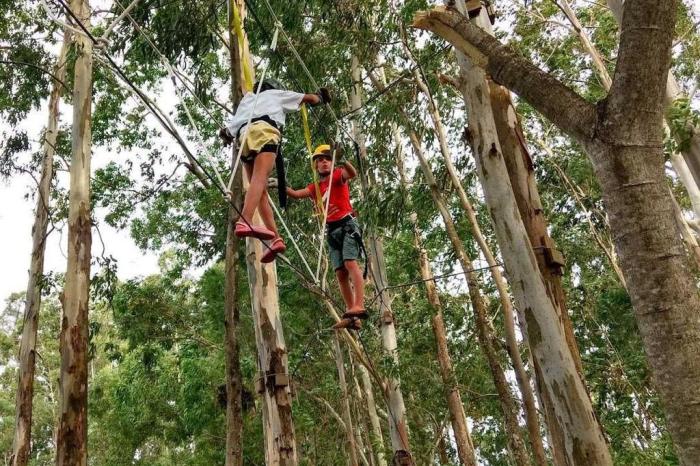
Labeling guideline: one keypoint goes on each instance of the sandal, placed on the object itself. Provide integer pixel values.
(348, 323)
(277, 246)
(244, 230)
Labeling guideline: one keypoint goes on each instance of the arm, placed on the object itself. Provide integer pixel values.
(298, 193)
(349, 172)
(323, 96)
(311, 99)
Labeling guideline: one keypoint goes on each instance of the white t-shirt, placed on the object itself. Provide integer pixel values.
(274, 103)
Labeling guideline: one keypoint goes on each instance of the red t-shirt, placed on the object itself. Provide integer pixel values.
(339, 205)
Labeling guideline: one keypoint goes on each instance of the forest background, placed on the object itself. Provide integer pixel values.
(156, 353)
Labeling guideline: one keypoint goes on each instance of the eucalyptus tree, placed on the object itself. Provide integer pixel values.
(71, 441)
(27, 353)
(628, 160)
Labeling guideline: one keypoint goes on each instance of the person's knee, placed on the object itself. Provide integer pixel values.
(351, 265)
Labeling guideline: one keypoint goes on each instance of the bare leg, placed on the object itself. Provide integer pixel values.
(261, 168)
(358, 284)
(266, 213)
(345, 290)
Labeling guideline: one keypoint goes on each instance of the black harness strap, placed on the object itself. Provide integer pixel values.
(281, 180)
(347, 229)
(279, 160)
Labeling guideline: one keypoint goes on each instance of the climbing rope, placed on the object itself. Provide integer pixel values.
(273, 46)
(217, 179)
(225, 189)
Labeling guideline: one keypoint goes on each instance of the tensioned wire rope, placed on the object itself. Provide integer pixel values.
(322, 208)
(146, 102)
(278, 25)
(339, 127)
(117, 69)
(212, 178)
(226, 190)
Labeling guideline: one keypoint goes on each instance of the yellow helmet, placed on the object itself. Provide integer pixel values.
(321, 149)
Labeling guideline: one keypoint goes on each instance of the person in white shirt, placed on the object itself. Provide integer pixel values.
(260, 142)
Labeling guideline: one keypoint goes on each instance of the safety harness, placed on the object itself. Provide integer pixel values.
(279, 160)
(347, 229)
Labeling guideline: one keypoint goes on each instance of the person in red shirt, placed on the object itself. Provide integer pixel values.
(342, 230)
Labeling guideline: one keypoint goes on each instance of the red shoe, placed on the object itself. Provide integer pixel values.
(244, 230)
(276, 247)
(348, 323)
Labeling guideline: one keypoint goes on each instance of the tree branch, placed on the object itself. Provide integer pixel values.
(43, 70)
(558, 103)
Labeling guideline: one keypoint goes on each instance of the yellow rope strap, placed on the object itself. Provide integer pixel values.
(242, 46)
(307, 137)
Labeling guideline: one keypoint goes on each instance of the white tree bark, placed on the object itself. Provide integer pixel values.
(398, 427)
(585, 443)
(27, 349)
(508, 315)
(376, 435)
(71, 447)
(273, 378)
(458, 418)
(509, 408)
(350, 444)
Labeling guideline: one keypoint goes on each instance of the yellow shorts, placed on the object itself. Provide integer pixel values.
(256, 137)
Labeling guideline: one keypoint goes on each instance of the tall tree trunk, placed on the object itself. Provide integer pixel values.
(627, 157)
(234, 381)
(27, 348)
(465, 446)
(521, 376)
(486, 340)
(71, 447)
(397, 410)
(273, 378)
(584, 442)
(273, 381)
(350, 445)
(376, 436)
(673, 92)
(549, 260)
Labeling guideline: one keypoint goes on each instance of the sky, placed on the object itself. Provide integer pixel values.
(17, 217)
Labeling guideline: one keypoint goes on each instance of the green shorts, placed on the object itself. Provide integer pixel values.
(342, 245)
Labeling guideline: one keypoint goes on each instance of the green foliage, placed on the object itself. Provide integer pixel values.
(684, 122)
(157, 374)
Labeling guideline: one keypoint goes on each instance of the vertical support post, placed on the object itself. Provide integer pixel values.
(273, 366)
